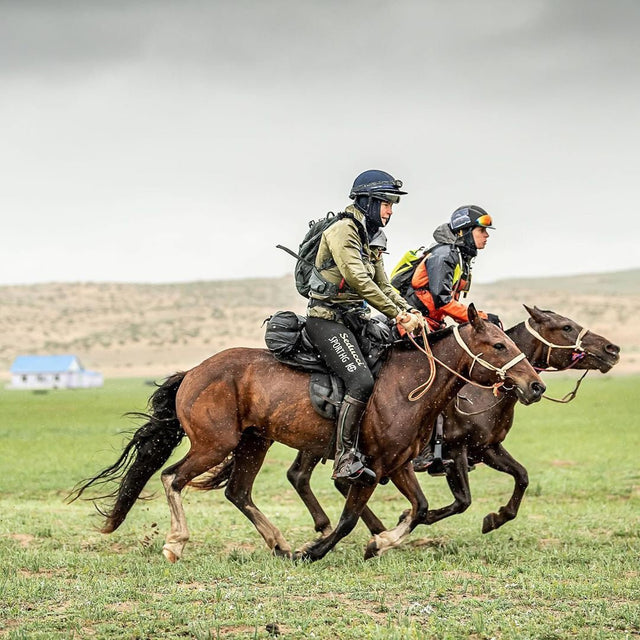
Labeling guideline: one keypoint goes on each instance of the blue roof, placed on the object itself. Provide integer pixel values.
(45, 364)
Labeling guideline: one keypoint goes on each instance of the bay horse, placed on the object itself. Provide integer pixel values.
(243, 389)
(476, 422)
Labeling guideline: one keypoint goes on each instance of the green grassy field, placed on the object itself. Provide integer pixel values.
(567, 567)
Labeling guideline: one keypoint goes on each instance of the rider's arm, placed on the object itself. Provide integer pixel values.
(346, 249)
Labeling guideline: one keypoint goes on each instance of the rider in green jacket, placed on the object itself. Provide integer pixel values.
(349, 279)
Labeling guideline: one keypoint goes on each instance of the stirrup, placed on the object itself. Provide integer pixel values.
(355, 471)
(438, 466)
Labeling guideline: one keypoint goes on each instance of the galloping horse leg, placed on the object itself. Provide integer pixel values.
(498, 458)
(299, 475)
(407, 483)
(174, 479)
(458, 481)
(356, 500)
(367, 516)
(248, 458)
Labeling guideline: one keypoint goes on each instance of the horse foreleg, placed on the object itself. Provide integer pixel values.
(299, 475)
(458, 481)
(367, 516)
(498, 458)
(407, 483)
(356, 500)
(248, 458)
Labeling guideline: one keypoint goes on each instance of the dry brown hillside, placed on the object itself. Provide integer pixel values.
(154, 330)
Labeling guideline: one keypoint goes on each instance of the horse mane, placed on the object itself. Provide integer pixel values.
(435, 336)
(511, 330)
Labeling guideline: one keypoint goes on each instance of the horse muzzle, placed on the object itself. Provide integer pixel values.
(531, 392)
(603, 359)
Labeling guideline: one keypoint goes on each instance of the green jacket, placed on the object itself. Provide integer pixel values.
(361, 267)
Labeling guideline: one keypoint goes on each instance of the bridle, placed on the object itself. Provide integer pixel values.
(576, 356)
(501, 371)
(419, 391)
(579, 352)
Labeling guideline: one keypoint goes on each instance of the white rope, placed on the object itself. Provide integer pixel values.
(577, 346)
(501, 371)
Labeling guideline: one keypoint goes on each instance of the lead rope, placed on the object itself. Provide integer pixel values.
(568, 397)
(420, 390)
(456, 406)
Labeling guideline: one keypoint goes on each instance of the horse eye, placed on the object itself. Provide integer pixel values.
(567, 327)
(498, 346)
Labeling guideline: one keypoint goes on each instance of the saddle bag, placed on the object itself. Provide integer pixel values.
(283, 332)
(286, 338)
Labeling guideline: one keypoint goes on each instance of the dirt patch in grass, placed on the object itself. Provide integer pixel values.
(563, 463)
(24, 539)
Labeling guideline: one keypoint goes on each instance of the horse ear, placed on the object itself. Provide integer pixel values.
(474, 319)
(535, 313)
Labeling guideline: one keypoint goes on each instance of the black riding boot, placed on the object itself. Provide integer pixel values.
(349, 463)
(423, 460)
(430, 458)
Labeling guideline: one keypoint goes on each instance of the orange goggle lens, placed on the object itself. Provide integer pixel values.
(484, 221)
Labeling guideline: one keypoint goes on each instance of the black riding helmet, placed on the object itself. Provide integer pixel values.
(369, 189)
(464, 220)
(470, 216)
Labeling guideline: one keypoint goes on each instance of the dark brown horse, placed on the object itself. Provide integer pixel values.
(476, 423)
(247, 389)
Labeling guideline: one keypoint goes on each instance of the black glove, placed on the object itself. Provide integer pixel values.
(492, 317)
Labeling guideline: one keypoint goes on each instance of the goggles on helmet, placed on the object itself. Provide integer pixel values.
(469, 217)
(484, 221)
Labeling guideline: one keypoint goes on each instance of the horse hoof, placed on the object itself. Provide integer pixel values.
(489, 523)
(372, 550)
(170, 555)
(282, 553)
(302, 556)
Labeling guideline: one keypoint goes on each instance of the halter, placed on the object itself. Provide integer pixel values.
(578, 350)
(501, 371)
(419, 391)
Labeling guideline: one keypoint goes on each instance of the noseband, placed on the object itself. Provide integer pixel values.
(578, 349)
(501, 371)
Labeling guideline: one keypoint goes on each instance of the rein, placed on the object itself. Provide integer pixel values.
(577, 355)
(420, 390)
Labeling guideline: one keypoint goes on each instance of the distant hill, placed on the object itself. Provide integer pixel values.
(155, 329)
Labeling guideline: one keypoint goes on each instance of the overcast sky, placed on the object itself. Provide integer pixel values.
(180, 140)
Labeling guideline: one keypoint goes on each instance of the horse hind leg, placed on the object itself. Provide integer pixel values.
(248, 458)
(174, 479)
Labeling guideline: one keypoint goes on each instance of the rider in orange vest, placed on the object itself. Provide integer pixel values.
(445, 271)
(437, 283)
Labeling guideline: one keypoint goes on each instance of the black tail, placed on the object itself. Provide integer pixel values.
(147, 451)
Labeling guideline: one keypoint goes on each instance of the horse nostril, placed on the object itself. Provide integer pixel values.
(613, 349)
(538, 388)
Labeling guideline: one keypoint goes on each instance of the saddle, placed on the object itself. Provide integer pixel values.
(287, 339)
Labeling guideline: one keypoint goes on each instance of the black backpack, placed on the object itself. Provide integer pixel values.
(308, 250)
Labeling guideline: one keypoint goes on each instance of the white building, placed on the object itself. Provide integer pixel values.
(51, 372)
